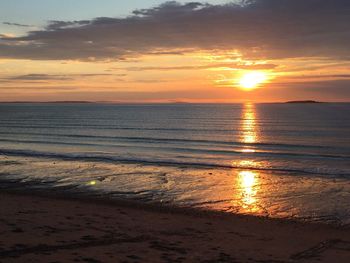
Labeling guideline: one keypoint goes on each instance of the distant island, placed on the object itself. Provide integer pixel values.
(303, 101)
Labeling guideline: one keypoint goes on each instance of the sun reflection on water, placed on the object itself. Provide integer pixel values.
(247, 184)
(248, 126)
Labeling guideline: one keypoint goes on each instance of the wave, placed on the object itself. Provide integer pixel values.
(175, 140)
(187, 150)
(113, 159)
(199, 129)
(110, 127)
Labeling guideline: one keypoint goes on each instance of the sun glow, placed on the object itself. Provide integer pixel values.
(252, 80)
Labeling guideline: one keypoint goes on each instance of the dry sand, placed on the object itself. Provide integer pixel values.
(50, 229)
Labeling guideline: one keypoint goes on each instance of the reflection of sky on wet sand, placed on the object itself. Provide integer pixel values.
(242, 190)
(247, 189)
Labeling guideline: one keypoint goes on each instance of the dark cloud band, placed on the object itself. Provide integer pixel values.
(259, 29)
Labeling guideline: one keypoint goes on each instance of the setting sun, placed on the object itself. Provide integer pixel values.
(251, 80)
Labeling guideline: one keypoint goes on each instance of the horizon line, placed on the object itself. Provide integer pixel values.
(167, 102)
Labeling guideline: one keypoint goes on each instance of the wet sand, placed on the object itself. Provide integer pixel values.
(38, 228)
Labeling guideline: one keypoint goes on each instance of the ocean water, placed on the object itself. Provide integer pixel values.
(276, 160)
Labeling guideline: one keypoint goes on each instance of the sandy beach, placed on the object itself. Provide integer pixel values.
(38, 228)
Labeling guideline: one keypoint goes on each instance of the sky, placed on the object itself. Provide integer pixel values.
(174, 51)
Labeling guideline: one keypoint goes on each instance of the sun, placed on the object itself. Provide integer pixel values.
(252, 80)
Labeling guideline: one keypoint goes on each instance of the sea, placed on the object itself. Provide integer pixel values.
(277, 160)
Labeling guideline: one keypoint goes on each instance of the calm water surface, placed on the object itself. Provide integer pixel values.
(278, 160)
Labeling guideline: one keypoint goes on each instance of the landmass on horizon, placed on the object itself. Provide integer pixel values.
(304, 101)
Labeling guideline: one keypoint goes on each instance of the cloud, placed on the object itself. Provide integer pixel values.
(209, 66)
(57, 77)
(40, 77)
(257, 28)
(6, 35)
(57, 25)
(303, 78)
(16, 24)
(37, 88)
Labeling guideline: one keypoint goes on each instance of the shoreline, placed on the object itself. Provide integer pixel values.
(239, 191)
(98, 198)
(68, 229)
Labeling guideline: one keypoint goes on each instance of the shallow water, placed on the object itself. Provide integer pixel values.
(278, 160)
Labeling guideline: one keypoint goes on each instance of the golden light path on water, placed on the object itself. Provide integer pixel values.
(248, 126)
(247, 183)
(241, 188)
